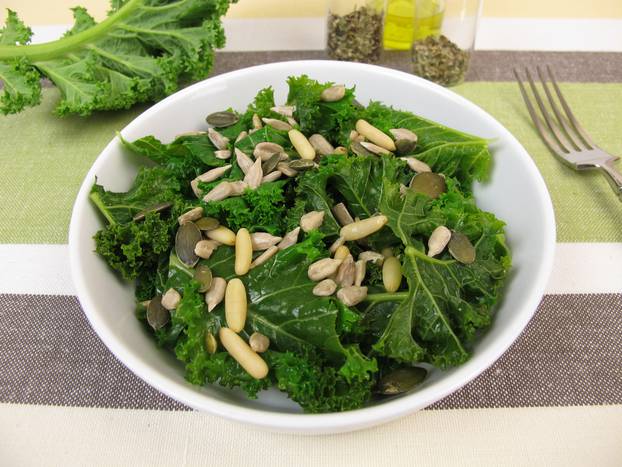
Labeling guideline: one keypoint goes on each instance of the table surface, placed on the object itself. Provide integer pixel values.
(554, 398)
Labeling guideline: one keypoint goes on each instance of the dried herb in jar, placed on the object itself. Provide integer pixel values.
(356, 36)
(440, 60)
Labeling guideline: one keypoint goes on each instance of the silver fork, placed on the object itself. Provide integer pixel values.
(563, 134)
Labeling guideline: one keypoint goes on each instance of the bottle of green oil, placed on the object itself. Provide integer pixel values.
(410, 20)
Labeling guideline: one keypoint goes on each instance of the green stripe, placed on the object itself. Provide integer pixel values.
(43, 159)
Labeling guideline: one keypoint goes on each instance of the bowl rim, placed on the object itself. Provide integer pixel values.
(329, 422)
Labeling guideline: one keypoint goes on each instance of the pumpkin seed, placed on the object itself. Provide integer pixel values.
(461, 248)
(438, 240)
(222, 154)
(277, 124)
(301, 164)
(321, 145)
(284, 168)
(257, 125)
(428, 183)
(243, 354)
(311, 220)
(207, 223)
(258, 342)
(244, 162)
(266, 149)
(342, 214)
(139, 216)
(271, 177)
(216, 293)
(271, 163)
(360, 150)
(203, 275)
(325, 288)
(157, 315)
(352, 295)
(334, 93)
(375, 135)
(222, 119)
(218, 140)
(374, 148)
(416, 165)
(187, 237)
(286, 110)
(211, 344)
(171, 299)
(401, 380)
(192, 215)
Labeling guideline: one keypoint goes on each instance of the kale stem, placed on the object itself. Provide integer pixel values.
(58, 48)
(387, 297)
(414, 253)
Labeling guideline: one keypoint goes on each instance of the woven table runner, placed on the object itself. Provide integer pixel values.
(569, 356)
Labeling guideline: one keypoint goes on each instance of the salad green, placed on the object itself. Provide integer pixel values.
(324, 354)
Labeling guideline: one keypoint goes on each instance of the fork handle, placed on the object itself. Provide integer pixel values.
(614, 177)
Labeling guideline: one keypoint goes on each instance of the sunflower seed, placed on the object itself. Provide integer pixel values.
(323, 268)
(269, 165)
(301, 144)
(157, 315)
(438, 240)
(342, 214)
(222, 119)
(218, 140)
(258, 342)
(371, 147)
(171, 299)
(263, 240)
(257, 125)
(244, 162)
(265, 256)
(286, 170)
(321, 145)
(277, 124)
(286, 110)
(216, 293)
(301, 165)
(375, 135)
(238, 187)
(192, 215)
(360, 268)
(352, 295)
(403, 190)
(211, 344)
(401, 380)
(271, 177)
(188, 235)
(345, 273)
(284, 156)
(204, 249)
(292, 121)
(266, 150)
(213, 174)
(336, 244)
(190, 133)
(253, 130)
(428, 183)
(341, 151)
(461, 248)
(207, 223)
(325, 288)
(241, 136)
(334, 93)
(360, 150)
(139, 216)
(219, 192)
(291, 238)
(203, 275)
(416, 165)
(372, 256)
(222, 154)
(311, 220)
(254, 175)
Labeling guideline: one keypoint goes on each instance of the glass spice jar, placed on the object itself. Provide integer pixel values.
(444, 36)
(355, 30)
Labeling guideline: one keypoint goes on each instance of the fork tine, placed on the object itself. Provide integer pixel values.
(584, 136)
(563, 142)
(544, 134)
(569, 132)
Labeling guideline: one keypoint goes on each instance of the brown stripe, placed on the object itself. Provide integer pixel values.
(569, 355)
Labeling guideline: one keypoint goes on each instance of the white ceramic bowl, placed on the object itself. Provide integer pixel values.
(516, 193)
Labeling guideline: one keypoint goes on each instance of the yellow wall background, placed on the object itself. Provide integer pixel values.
(36, 12)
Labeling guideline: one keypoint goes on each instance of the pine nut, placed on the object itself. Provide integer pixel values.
(263, 240)
(216, 293)
(374, 135)
(301, 144)
(438, 240)
(210, 343)
(235, 304)
(363, 228)
(243, 354)
(204, 249)
(223, 235)
(340, 150)
(323, 268)
(360, 268)
(311, 220)
(171, 299)
(243, 252)
(258, 342)
(265, 256)
(391, 274)
(387, 252)
(342, 252)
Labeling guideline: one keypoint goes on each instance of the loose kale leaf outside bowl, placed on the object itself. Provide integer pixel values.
(515, 193)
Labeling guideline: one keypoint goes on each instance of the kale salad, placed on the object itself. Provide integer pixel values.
(328, 249)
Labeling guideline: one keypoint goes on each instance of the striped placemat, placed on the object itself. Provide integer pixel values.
(563, 373)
